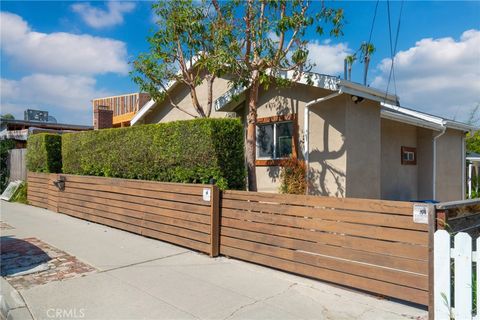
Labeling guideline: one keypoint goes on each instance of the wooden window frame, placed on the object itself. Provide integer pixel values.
(413, 150)
(276, 119)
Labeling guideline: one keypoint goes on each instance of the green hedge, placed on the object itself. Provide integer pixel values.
(5, 145)
(44, 153)
(192, 151)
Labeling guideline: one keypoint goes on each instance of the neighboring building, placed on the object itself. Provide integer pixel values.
(35, 121)
(473, 175)
(355, 140)
(124, 108)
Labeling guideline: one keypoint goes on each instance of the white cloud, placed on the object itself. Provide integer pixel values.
(328, 57)
(440, 76)
(65, 97)
(99, 18)
(59, 52)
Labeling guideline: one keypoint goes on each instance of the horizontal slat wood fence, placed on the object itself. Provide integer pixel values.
(371, 245)
(174, 213)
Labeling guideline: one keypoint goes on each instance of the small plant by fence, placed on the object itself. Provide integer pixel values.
(456, 290)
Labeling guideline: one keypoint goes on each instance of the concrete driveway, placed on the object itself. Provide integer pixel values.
(103, 273)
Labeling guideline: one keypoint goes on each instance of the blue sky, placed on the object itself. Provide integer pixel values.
(57, 56)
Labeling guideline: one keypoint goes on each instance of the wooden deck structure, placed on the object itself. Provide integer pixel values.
(124, 106)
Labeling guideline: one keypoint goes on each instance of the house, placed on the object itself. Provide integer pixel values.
(35, 121)
(123, 107)
(355, 140)
(473, 175)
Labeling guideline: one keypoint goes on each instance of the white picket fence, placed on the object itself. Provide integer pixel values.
(462, 257)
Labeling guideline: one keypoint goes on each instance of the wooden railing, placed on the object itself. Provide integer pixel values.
(124, 106)
(459, 216)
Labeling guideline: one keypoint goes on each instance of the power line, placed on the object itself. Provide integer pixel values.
(373, 21)
(393, 49)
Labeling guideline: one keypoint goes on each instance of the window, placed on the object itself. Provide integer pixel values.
(275, 140)
(409, 155)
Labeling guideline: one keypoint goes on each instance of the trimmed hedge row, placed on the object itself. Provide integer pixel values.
(192, 151)
(44, 153)
(5, 146)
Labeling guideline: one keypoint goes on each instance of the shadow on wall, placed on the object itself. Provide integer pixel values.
(318, 182)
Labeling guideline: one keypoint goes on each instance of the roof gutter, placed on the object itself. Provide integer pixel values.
(390, 115)
(306, 130)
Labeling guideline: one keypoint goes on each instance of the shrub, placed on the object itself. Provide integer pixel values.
(21, 194)
(5, 145)
(292, 177)
(44, 153)
(192, 151)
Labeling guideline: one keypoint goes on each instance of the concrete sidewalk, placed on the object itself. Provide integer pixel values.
(141, 278)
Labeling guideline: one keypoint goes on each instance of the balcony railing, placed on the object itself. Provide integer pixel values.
(124, 106)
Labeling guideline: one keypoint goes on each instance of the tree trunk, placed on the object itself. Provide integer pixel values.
(350, 73)
(196, 104)
(367, 62)
(210, 95)
(251, 153)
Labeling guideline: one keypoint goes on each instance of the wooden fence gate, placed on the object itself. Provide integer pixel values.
(371, 245)
(16, 164)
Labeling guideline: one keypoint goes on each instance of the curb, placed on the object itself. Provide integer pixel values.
(12, 305)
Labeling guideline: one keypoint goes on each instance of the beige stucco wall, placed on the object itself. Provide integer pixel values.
(344, 141)
(449, 166)
(165, 112)
(425, 163)
(398, 182)
(327, 142)
(363, 148)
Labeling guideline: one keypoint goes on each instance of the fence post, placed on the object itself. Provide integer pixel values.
(214, 221)
(441, 219)
(432, 227)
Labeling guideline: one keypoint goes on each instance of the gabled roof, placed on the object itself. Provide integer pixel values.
(323, 81)
(391, 108)
(147, 107)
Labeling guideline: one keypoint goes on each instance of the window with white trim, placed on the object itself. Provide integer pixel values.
(274, 140)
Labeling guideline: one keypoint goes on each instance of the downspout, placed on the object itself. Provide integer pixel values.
(435, 161)
(306, 137)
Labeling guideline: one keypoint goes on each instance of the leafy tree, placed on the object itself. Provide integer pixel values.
(268, 38)
(7, 116)
(367, 49)
(350, 60)
(187, 32)
(473, 140)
